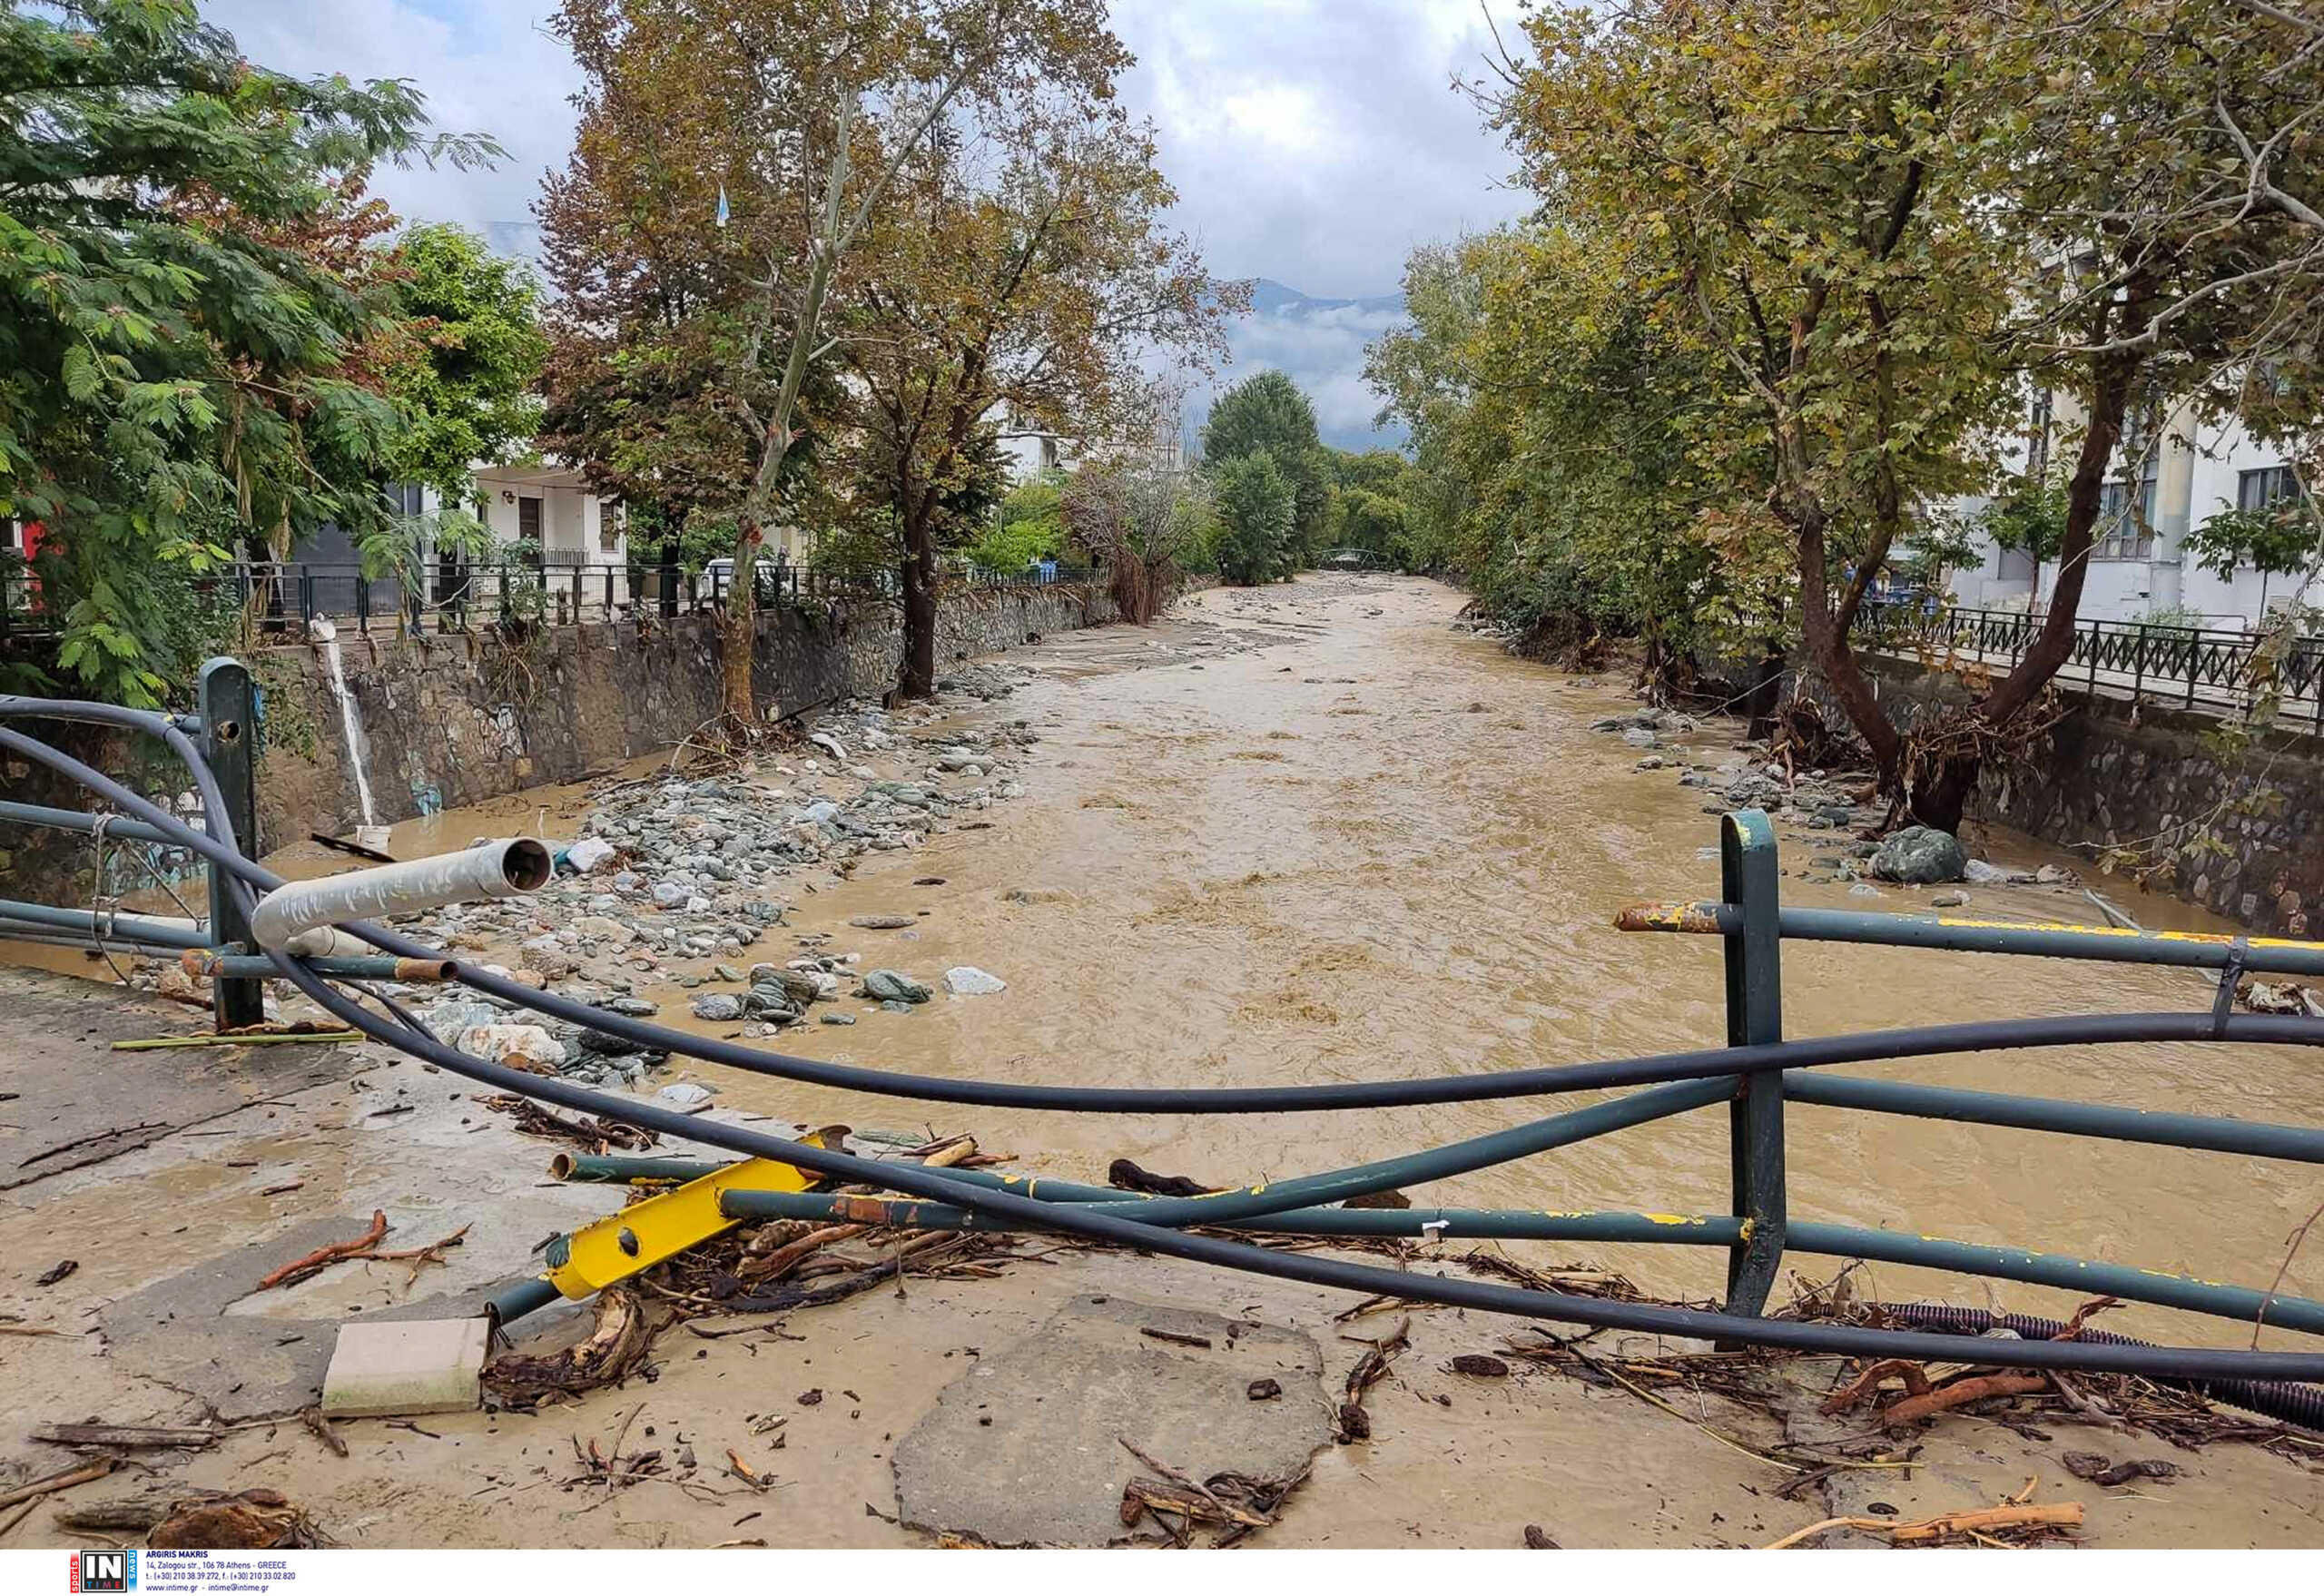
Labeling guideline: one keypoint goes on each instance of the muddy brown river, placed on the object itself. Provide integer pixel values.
(1314, 833)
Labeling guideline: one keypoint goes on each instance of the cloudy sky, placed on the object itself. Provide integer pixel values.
(1312, 141)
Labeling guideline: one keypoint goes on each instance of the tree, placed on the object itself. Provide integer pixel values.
(177, 349)
(735, 153)
(1876, 239)
(1266, 411)
(1149, 525)
(1021, 274)
(1257, 506)
(470, 397)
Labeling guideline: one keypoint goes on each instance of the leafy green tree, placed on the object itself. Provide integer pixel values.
(1266, 411)
(2279, 540)
(471, 395)
(177, 344)
(1256, 509)
(1029, 527)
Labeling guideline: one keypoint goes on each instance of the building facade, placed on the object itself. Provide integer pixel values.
(2167, 480)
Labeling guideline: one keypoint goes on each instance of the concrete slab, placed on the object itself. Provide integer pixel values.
(180, 1330)
(1025, 1450)
(420, 1366)
(116, 1103)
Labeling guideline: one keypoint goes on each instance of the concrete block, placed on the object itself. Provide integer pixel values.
(419, 1367)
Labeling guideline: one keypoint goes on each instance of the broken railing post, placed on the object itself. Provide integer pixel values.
(229, 738)
(1748, 881)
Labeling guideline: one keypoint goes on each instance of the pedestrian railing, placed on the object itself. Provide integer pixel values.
(2192, 666)
(284, 598)
(1756, 1074)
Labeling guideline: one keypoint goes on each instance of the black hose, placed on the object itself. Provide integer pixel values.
(1697, 1064)
(917, 1181)
(2277, 1399)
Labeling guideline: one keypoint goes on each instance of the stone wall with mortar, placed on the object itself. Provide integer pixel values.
(455, 720)
(2121, 774)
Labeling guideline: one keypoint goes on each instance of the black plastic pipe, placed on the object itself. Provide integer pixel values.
(1846, 1340)
(1697, 1064)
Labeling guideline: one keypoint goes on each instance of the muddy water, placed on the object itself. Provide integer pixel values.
(1312, 833)
(1372, 846)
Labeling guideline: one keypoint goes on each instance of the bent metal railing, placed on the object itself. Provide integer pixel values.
(1755, 1074)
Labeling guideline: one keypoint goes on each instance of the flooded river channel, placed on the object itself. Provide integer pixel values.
(1315, 834)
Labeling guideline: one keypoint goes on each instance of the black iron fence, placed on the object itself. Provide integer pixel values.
(2194, 666)
(287, 597)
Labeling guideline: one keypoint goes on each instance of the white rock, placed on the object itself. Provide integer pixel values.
(590, 854)
(685, 1096)
(520, 1046)
(968, 980)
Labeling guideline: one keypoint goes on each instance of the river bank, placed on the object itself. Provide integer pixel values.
(1293, 835)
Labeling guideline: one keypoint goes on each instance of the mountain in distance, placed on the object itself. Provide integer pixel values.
(1319, 344)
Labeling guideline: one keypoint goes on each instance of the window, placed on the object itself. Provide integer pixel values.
(2037, 435)
(528, 519)
(404, 498)
(2269, 484)
(2126, 506)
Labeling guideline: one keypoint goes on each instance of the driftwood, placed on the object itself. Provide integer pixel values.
(1127, 1176)
(314, 1261)
(595, 1135)
(253, 1519)
(1355, 1423)
(80, 1474)
(127, 1436)
(1974, 1521)
(616, 1345)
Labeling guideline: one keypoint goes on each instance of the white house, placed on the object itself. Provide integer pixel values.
(2161, 488)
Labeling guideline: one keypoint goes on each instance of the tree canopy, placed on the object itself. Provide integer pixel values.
(188, 294)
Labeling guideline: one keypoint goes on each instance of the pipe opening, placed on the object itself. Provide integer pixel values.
(561, 1167)
(527, 863)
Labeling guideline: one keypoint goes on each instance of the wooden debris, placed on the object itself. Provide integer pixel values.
(1481, 1365)
(1126, 1176)
(128, 1438)
(313, 1419)
(1979, 1522)
(357, 848)
(1973, 1388)
(79, 1474)
(616, 1345)
(314, 1262)
(595, 1135)
(1538, 1539)
(51, 1276)
(1355, 1423)
(135, 1514)
(2101, 1470)
(253, 1519)
(235, 1038)
(1178, 1337)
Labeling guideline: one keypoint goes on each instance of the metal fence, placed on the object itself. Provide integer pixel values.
(287, 597)
(1756, 1075)
(2192, 666)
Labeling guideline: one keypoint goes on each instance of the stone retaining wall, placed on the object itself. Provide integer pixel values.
(455, 720)
(2122, 774)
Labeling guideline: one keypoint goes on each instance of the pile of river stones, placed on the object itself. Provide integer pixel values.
(676, 880)
(1815, 801)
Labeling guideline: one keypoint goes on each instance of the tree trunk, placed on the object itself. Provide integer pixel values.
(739, 639)
(918, 678)
(1827, 646)
(1941, 792)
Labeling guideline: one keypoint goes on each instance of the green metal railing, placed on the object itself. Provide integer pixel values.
(1755, 1074)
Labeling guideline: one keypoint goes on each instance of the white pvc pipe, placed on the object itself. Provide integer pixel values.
(501, 869)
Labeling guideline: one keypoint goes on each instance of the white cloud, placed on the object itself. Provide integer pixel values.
(1312, 141)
